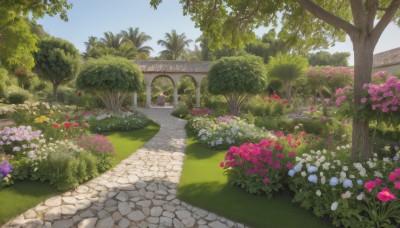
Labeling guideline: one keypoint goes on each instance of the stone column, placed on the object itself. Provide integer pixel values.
(197, 96)
(176, 95)
(134, 101)
(148, 96)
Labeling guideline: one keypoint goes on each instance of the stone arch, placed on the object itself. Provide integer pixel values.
(175, 70)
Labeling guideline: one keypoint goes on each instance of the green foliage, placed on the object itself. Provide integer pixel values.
(57, 61)
(117, 122)
(111, 79)
(259, 106)
(110, 74)
(3, 79)
(18, 96)
(174, 44)
(324, 58)
(17, 42)
(181, 112)
(236, 78)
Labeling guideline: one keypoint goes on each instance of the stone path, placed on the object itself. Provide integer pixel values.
(139, 192)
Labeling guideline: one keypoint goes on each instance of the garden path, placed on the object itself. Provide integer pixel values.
(139, 192)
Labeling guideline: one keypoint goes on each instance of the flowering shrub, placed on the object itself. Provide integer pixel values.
(271, 105)
(200, 112)
(330, 185)
(258, 168)
(101, 147)
(17, 140)
(5, 170)
(329, 77)
(121, 121)
(225, 131)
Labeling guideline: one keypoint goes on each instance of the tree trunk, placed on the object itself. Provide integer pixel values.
(363, 58)
(55, 87)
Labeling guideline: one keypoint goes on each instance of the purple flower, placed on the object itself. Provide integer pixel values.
(5, 169)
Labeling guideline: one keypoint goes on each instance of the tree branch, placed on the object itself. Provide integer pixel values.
(385, 20)
(357, 10)
(329, 18)
(371, 8)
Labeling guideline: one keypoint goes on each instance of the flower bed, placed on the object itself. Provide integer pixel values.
(121, 121)
(225, 131)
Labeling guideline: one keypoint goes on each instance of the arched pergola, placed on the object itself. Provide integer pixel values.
(175, 70)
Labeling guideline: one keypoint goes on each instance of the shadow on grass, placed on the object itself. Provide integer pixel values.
(256, 211)
(21, 196)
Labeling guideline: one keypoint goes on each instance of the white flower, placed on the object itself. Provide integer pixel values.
(303, 174)
(378, 174)
(387, 148)
(326, 165)
(346, 195)
(318, 193)
(338, 148)
(361, 196)
(323, 180)
(334, 206)
(375, 155)
(345, 168)
(342, 174)
(352, 176)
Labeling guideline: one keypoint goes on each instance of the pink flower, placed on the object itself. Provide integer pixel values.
(378, 181)
(370, 185)
(289, 165)
(311, 109)
(292, 154)
(363, 100)
(392, 176)
(221, 164)
(385, 195)
(266, 180)
(397, 185)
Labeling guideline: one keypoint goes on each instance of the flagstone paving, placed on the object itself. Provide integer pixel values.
(139, 192)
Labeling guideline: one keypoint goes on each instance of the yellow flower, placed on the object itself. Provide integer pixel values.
(41, 119)
(51, 112)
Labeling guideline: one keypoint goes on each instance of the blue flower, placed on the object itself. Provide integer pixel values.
(334, 181)
(312, 169)
(291, 172)
(298, 167)
(313, 178)
(5, 169)
(347, 183)
(360, 182)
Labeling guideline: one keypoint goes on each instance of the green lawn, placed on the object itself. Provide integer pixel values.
(127, 142)
(23, 195)
(203, 184)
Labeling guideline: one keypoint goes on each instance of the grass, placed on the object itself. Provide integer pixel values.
(126, 142)
(23, 195)
(203, 184)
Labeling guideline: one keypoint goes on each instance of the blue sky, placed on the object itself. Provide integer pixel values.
(94, 17)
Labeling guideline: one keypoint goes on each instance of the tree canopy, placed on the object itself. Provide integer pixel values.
(175, 45)
(57, 61)
(309, 24)
(324, 58)
(237, 77)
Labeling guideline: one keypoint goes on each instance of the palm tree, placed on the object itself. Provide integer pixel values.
(138, 39)
(175, 45)
(287, 68)
(127, 50)
(112, 40)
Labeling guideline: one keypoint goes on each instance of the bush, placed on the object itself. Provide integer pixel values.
(18, 96)
(121, 121)
(180, 112)
(225, 131)
(258, 168)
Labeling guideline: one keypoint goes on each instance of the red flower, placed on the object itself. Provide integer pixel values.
(19, 72)
(289, 165)
(66, 116)
(85, 125)
(76, 125)
(221, 164)
(265, 180)
(67, 125)
(311, 109)
(292, 154)
(385, 195)
(56, 125)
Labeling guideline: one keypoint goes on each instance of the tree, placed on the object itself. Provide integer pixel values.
(287, 68)
(315, 24)
(236, 78)
(324, 58)
(17, 42)
(111, 79)
(175, 45)
(138, 39)
(57, 61)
